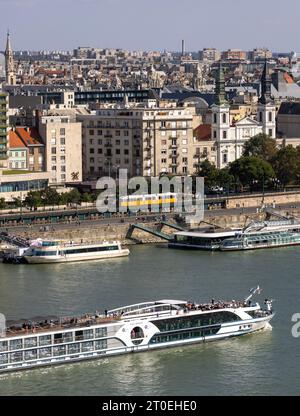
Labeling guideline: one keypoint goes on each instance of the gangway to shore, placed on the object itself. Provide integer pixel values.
(175, 226)
(156, 233)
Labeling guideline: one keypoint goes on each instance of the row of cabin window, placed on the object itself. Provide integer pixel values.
(185, 335)
(34, 354)
(213, 318)
(16, 344)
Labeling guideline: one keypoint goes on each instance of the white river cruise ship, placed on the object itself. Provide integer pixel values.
(42, 251)
(134, 328)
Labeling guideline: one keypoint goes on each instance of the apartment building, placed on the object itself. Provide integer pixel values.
(145, 139)
(209, 55)
(61, 135)
(26, 149)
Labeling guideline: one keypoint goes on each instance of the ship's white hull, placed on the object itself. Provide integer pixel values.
(75, 257)
(227, 331)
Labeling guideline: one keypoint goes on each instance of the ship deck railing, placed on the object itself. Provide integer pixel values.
(38, 328)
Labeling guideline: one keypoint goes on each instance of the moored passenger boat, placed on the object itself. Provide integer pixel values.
(265, 236)
(134, 328)
(200, 240)
(43, 251)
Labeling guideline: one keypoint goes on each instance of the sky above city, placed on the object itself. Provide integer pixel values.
(151, 24)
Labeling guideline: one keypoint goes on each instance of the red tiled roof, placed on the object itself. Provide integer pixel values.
(14, 140)
(203, 132)
(30, 136)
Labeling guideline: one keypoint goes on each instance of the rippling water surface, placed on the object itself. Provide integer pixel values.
(264, 363)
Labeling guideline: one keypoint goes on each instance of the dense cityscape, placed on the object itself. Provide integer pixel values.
(148, 178)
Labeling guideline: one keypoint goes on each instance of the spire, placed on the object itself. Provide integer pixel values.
(265, 97)
(9, 62)
(8, 45)
(220, 87)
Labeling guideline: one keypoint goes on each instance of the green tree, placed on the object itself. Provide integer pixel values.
(33, 199)
(2, 203)
(225, 179)
(209, 172)
(74, 196)
(17, 201)
(262, 146)
(286, 164)
(50, 197)
(252, 171)
(86, 197)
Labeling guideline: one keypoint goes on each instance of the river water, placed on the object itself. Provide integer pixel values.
(267, 362)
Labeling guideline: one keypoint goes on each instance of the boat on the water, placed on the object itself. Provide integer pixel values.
(134, 328)
(266, 234)
(49, 251)
(200, 240)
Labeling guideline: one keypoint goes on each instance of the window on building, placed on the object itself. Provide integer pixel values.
(184, 169)
(100, 132)
(163, 142)
(63, 177)
(126, 142)
(118, 142)
(215, 118)
(100, 151)
(163, 160)
(224, 118)
(99, 142)
(164, 152)
(270, 132)
(224, 134)
(126, 161)
(163, 133)
(91, 132)
(53, 140)
(53, 158)
(62, 132)
(92, 151)
(118, 151)
(62, 141)
(260, 116)
(224, 157)
(184, 141)
(126, 133)
(214, 134)
(53, 150)
(53, 168)
(184, 160)
(126, 152)
(63, 168)
(92, 160)
(118, 132)
(270, 116)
